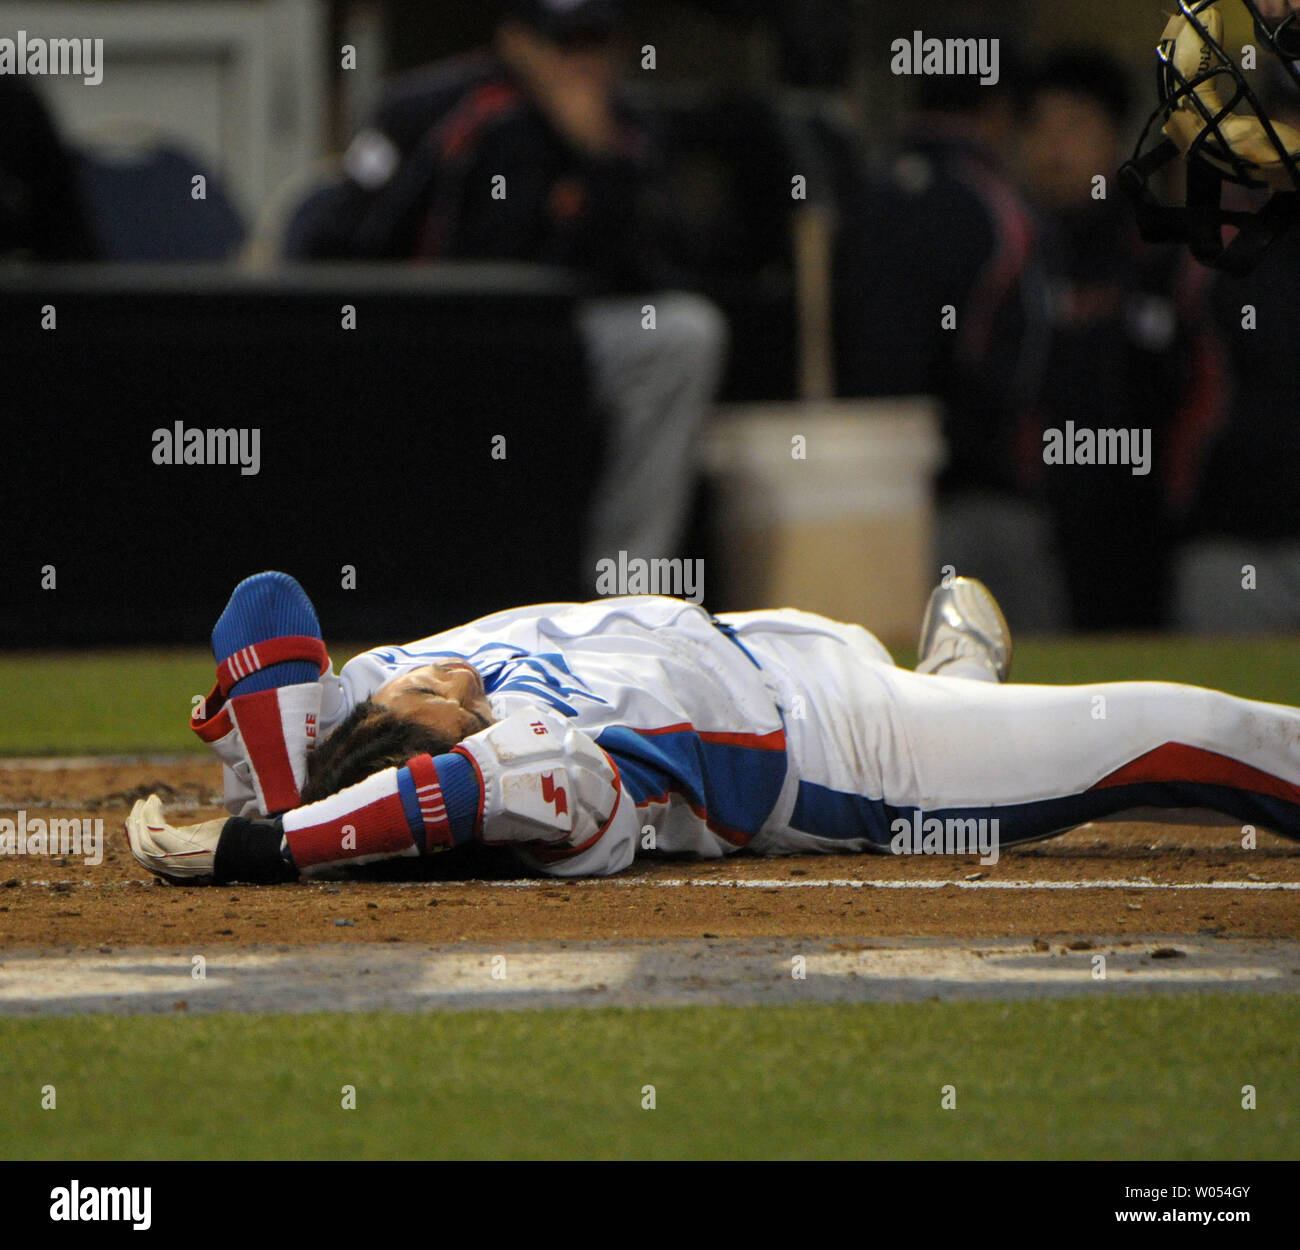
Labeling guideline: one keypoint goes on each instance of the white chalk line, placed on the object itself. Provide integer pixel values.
(58, 763)
(852, 883)
(372, 976)
(762, 883)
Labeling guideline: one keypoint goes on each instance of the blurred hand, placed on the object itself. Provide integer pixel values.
(573, 88)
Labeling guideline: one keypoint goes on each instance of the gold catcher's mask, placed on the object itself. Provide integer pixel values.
(1210, 117)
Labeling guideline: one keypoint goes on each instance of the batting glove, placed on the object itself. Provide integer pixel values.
(177, 853)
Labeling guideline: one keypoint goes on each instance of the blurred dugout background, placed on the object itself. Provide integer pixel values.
(815, 317)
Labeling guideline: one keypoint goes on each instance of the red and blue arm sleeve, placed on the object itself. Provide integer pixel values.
(428, 805)
(530, 780)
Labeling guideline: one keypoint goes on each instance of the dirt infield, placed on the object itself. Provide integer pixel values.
(1130, 876)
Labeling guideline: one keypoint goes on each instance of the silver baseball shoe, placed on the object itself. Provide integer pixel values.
(963, 622)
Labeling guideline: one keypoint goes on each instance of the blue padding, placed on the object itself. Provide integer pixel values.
(411, 807)
(734, 786)
(461, 794)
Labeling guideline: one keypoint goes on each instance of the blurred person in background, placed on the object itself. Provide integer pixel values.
(113, 197)
(1239, 567)
(581, 190)
(1278, 8)
(939, 292)
(1129, 347)
(42, 214)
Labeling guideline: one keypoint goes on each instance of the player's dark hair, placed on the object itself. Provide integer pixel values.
(964, 93)
(369, 740)
(1093, 74)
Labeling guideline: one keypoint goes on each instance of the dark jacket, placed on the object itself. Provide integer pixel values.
(42, 216)
(1248, 487)
(1126, 354)
(942, 226)
(454, 127)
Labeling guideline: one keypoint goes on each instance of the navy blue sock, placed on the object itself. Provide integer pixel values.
(266, 605)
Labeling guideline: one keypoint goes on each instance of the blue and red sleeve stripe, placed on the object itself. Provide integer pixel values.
(731, 781)
(1173, 775)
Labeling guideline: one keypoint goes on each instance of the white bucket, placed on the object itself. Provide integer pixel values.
(846, 530)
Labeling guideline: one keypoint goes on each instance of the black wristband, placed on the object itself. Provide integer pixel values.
(249, 851)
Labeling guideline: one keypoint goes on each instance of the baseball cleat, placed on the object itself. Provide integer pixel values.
(179, 853)
(964, 623)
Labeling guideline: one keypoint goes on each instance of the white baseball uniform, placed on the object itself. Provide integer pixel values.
(662, 728)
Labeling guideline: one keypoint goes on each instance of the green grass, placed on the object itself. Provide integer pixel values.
(1256, 668)
(104, 702)
(126, 701)
(1152, 1078)
(64, 703)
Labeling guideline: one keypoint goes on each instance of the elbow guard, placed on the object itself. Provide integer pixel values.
(543, 782)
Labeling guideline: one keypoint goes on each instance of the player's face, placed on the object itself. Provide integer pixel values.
(1068, 141)
(447, 698)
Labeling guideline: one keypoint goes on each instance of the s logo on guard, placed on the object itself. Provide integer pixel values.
(555, 794)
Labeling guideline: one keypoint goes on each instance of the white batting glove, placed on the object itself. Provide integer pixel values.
(178, 853)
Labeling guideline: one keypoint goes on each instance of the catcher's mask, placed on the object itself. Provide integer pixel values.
(1211, 117)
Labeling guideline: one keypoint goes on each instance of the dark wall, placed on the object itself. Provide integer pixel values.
(375, 447)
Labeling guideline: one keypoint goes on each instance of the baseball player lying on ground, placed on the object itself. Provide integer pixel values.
(580, 734)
